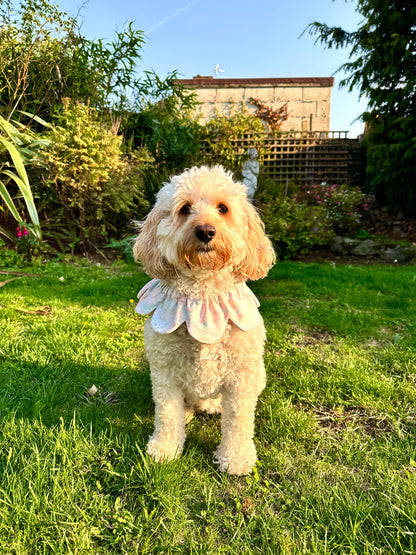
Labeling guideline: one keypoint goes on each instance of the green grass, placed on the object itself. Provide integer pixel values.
(335, 429)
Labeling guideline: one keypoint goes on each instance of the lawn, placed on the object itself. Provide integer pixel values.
(335, 427)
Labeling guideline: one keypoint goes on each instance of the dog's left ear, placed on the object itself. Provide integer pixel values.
(260, 255)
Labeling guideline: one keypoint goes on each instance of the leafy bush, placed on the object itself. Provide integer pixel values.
(162, 121)
(219, 132)
(44, 58)
(162, 124)
(88, 174)
(268, 186)
(8, 257)
(123, 248)
(294, 228)
(340, 203)
(391, 155)
(173, 139)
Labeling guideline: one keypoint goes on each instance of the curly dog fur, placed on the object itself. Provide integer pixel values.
(204, 237)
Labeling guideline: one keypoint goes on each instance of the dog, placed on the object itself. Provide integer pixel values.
(204, 337)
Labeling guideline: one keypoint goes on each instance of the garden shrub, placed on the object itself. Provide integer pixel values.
(294, 228)
(8, 258)
(172, 137)
(340, 203)
(163, 125)
(219, 132)
(391, 155)
(297, 221)
(45, 58)
(268, 186)
(88, 174)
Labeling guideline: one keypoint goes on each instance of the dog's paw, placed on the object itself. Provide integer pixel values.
(238, 461)
(163, 452)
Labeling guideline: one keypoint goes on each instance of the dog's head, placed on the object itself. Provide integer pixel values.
(203, 219)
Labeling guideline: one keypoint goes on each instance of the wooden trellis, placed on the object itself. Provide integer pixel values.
(304, 157)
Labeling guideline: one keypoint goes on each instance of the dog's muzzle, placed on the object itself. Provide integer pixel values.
(205, 233)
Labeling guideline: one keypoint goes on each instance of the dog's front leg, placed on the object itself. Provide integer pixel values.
(236, 452)
(166, 442)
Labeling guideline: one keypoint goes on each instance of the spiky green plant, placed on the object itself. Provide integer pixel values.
(19, 145)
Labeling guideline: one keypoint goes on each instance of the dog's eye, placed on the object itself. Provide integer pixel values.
(222, 209)
(185, 209)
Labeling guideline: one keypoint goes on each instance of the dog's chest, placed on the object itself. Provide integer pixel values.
(199, 369)
(205, 372)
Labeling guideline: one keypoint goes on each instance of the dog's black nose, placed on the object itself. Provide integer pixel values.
(205, 232)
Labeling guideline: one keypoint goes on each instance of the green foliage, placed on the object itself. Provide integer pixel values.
(8, 257)
(172, 138)
(341, 204)
(220, 131)
(391, 163)
(382, 66)
(294, 228)
(44, 58)
(123, 248)
(35, 42)
(18, 146)
(297, 221)
(163, 122)
(268, 186)
(88, 174)
(104, 74)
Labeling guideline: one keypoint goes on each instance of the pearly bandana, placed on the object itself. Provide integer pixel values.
(206, 318)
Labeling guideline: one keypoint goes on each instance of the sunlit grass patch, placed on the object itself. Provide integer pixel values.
(335, 427)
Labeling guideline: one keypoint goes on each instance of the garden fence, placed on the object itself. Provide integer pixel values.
(303, 156)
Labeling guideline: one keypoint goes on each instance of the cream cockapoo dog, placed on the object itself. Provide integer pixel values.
(204, 339)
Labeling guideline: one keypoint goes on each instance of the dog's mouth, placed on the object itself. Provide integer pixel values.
(205, 248)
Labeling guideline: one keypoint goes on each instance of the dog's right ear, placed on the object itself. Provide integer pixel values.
(146, 247)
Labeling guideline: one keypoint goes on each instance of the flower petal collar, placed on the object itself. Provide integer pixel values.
(205, 318)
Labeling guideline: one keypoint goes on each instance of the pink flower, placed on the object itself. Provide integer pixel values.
(20, 233)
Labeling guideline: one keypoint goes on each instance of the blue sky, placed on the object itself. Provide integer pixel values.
(246, 39)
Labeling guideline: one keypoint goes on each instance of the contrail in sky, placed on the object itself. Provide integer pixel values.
(170, 17)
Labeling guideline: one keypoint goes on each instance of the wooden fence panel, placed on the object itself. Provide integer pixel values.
(304, 157)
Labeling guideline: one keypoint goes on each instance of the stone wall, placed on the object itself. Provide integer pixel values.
(308, 98)
(390, 252)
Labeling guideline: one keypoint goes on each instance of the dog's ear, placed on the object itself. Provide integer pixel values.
(146, 246)
(260, 255)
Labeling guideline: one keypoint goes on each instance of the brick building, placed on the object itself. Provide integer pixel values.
(308, 99)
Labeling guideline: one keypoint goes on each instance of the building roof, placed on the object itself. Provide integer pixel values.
(208, 82)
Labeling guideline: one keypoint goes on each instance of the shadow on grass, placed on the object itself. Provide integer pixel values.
(55, 392)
